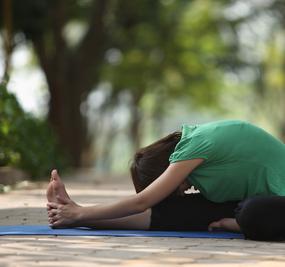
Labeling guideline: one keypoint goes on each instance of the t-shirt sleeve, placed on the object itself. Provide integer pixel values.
(192, 148)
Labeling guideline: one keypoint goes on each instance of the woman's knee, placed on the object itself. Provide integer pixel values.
(247, 219)
(261, 218)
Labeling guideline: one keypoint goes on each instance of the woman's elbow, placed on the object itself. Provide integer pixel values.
(141, 205)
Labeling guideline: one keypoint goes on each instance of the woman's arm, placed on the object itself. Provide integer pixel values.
(140, 221)
(163, 186)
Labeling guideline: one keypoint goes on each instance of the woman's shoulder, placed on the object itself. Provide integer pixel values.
(206, 140)
(223, 123)
(198, 129)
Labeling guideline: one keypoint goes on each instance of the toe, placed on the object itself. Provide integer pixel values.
(54, 175)
(213, 225)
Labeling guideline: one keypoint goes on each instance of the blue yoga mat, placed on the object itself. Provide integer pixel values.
(46, 230)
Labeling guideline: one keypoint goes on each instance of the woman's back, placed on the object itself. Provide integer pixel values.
(241, 160)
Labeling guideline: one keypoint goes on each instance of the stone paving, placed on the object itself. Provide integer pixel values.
(27, 206)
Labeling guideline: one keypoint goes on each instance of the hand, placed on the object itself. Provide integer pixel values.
(63, 215)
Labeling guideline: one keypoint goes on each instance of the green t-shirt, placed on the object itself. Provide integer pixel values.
(241, 160)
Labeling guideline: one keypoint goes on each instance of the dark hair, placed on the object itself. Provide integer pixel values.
(151, 161)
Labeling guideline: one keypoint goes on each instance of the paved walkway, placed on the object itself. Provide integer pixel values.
(27, 206)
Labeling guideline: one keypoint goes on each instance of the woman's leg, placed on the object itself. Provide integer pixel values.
(189, 213)
(262, 217)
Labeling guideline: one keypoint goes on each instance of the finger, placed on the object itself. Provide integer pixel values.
(54, 215)
(48, 208)
(54, 218)
(52, 205)
(56, 223)
(53, 212)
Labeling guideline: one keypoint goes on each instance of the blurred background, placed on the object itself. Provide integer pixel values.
(84, 83)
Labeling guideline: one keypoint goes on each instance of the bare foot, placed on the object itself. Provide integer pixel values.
(62, 211)
(229, 224)
(56, 190)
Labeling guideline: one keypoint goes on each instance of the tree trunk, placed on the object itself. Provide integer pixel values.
(71, 75)
(136, 117)
(67, 120)
(7, 38)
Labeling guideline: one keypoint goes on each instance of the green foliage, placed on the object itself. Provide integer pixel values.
(175, 52)
(26, 142)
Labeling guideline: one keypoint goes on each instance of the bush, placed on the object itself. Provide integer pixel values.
(26, 142)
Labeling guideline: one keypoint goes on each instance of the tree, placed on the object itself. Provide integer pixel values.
(71, 72)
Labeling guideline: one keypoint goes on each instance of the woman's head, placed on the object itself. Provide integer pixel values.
(151, 161)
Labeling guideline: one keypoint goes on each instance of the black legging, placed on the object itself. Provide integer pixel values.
(193, 212)
(262, 218)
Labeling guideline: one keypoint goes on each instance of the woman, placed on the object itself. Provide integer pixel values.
(224, 160)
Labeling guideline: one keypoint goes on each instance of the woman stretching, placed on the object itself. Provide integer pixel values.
(227, 161)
